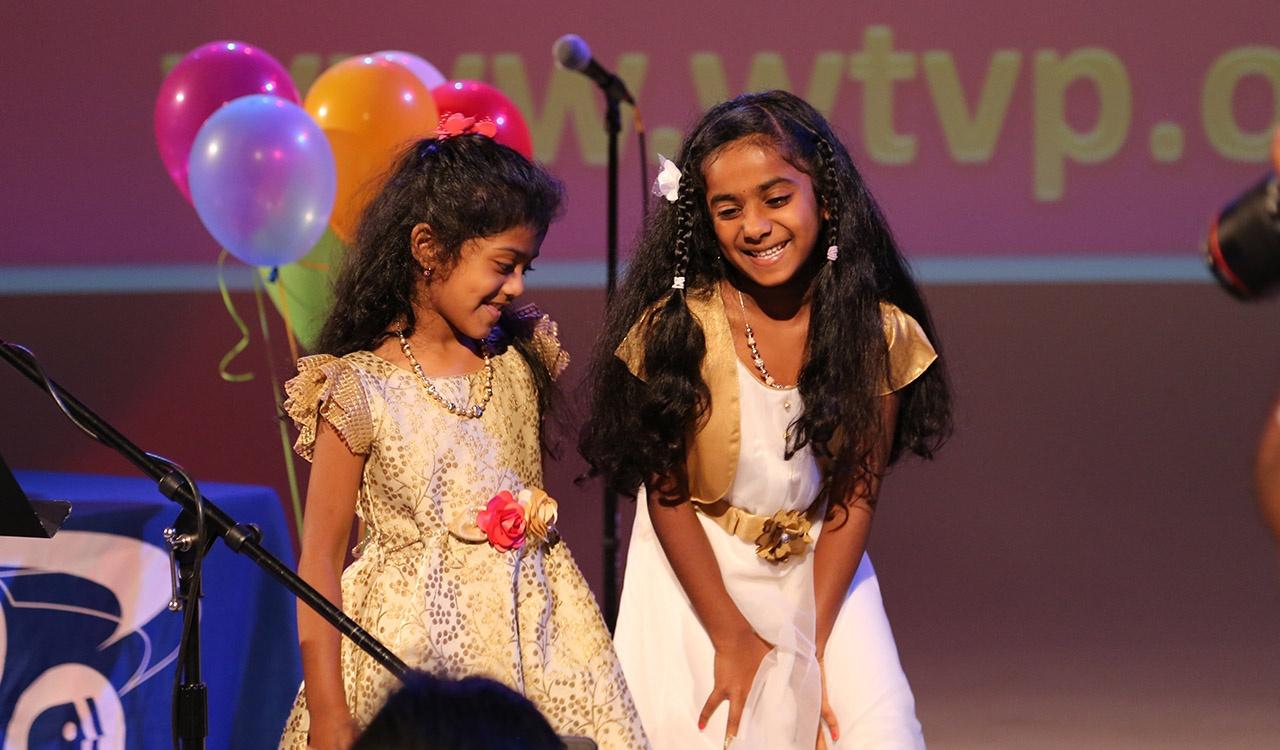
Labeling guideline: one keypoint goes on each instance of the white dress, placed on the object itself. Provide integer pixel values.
(668, 659)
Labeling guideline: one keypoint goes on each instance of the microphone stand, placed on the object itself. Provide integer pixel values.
(192, 708)
(612, 126)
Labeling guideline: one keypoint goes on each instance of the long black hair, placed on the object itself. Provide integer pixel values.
(464, 187)
(640, 431)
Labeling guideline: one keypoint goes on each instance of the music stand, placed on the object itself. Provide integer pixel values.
(24, 517)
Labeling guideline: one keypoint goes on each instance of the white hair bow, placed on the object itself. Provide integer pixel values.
(668, 183)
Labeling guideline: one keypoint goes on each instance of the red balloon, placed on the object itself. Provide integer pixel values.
(480, 100)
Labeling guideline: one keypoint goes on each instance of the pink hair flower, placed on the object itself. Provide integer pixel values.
(459, 124)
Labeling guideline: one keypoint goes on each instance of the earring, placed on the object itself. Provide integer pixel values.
(428, 272)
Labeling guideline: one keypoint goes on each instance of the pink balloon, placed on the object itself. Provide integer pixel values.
(425, 71)
(480, 100)
(207, 78)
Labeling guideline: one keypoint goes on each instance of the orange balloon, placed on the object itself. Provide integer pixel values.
(371, 109)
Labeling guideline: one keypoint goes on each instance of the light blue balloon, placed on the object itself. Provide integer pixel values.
(263, 179)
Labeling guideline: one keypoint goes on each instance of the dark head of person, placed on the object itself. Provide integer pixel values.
(474, 713)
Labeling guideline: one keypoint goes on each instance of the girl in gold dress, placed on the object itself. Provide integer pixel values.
(424, 419)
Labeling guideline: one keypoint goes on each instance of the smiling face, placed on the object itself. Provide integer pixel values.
(488, 276)
(764, 212)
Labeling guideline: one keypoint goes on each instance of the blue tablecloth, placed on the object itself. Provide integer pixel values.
(87, 644)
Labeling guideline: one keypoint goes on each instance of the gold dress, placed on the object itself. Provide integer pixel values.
(443, 604)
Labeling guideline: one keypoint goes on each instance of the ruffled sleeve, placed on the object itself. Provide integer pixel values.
(910, 352)
(542, 333)
(546, 342)
(329, 387)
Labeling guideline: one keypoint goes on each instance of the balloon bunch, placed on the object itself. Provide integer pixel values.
(281, 181)
(237, 143)
(371, 107)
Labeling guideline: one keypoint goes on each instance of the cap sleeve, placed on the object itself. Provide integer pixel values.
(910, 352)
(631, 349)
(329, 387)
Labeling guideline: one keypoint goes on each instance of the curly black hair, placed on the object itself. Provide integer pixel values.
(640, 431)
(464, 187)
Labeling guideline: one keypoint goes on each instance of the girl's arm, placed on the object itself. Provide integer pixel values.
(1266, 468)
(840, 546)
(844, 538)
(738, 648)
(326, 529)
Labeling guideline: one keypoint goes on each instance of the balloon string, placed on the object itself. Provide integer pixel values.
(284, 310)
(277, 396)
(243, 343)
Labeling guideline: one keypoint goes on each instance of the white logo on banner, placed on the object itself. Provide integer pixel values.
(138, 574)
(101, 717)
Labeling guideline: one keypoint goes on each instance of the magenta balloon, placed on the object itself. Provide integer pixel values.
(207, 78)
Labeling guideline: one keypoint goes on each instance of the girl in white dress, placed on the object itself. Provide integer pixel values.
(767, 358)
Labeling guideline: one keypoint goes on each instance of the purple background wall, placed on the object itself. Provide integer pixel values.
(1082, 567)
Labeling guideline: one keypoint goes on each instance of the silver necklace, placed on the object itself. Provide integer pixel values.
(755, 351)
(466, 412)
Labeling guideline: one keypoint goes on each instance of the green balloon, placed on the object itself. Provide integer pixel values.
(307, 285)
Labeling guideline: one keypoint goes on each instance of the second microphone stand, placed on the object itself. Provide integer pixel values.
(613, 127)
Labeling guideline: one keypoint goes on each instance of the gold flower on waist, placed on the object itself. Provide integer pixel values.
(786, 533)
(541, 514)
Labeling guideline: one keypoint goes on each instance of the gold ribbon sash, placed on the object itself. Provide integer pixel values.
(776, 537)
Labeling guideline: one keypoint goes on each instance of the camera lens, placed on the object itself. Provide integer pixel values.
(1243, 247)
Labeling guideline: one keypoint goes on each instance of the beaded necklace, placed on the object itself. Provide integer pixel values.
(755, 351)
(474, 411)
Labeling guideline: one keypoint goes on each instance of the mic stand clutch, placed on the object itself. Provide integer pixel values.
(191, 702)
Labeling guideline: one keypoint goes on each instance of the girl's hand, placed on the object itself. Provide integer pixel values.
(333, 733)
(735, 669)
(827, 716)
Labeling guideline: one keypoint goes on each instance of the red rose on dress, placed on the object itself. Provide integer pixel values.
(502, 520)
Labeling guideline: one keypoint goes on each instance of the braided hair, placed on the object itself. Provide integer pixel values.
(639, 431)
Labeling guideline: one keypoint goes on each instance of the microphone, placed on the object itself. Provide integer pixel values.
(571, 52)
